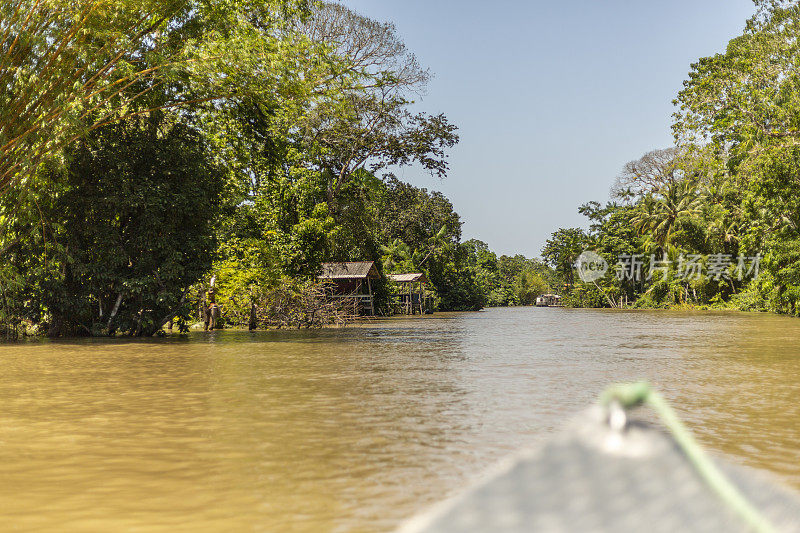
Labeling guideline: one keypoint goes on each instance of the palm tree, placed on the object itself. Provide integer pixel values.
(397, 253)
(660, 214)
(435, 241)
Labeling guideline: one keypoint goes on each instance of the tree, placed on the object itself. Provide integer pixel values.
(61, 62)
(742, 106)
(287, 111)
(747, 95)
(130, 230)
(416, 216)
(483, 262)
(397, 257)
(69, 67)
(648, 174)
(528, 285)
(455, 281)
(362, 120)
(307, 158)
(562, 249)
(661, 214)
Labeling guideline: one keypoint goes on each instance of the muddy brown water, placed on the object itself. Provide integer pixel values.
(355, 429)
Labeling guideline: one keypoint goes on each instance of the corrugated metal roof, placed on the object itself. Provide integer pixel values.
(408, 278)
(349, 270)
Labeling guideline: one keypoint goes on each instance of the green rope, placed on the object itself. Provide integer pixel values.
(634, 394)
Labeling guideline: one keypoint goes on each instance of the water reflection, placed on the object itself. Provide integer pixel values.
(354, 429)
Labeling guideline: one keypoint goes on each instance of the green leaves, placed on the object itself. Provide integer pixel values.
(562, 250)
(749, 94)
(132, 221)
(287, 110)
(69, 67)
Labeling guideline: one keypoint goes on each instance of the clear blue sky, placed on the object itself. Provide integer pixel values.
(551, 98)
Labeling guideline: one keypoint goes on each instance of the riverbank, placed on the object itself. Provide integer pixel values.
(746, 301)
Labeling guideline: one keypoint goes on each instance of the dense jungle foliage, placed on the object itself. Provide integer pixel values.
(714, 220)
(148, 146)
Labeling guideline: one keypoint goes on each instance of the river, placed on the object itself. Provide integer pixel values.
(354, 429)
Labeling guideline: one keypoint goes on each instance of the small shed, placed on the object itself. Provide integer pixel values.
(352, 281)
(409, 299)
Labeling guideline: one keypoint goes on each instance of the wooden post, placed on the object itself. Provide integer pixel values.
(252, 322)
(371, 299)
(357, 300)
(206, 314)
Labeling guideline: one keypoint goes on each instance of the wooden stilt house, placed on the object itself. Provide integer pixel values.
(411, 298)
(352, 282)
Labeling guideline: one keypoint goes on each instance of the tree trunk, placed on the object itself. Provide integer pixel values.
(206, 313)
(113, 314)
(170, 317)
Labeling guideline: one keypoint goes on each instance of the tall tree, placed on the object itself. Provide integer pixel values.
(67, 67)
(648, 174)
(562, 249)
(661, 214)
(127, 232)
(363, 120)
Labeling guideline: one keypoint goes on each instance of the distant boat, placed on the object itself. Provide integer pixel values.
(548, 300)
